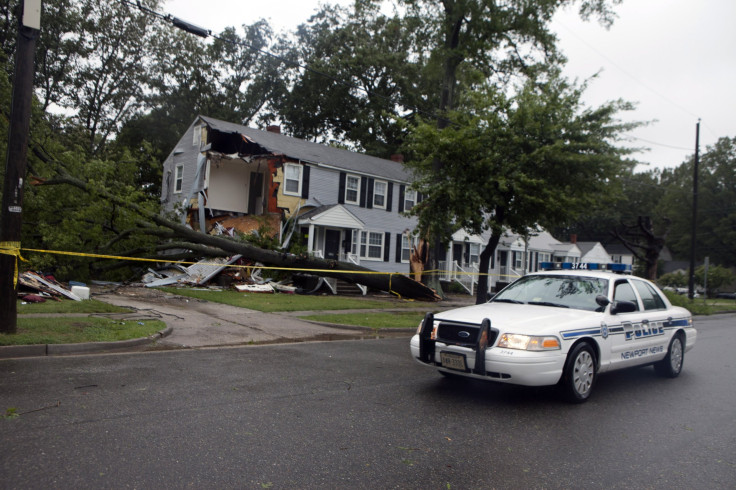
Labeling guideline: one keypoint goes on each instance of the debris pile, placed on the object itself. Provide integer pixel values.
(34, 287)
(245, 278)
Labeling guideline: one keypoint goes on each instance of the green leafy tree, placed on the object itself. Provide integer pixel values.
(365, 72)
(533, 160)
(673, 280)
(718, 277)
(486, 41)
(637, 194)
(716, 220)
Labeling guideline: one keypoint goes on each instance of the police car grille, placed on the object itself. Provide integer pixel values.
(457, 333)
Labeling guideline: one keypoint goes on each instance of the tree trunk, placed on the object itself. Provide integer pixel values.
(398, 284)
(481, 294)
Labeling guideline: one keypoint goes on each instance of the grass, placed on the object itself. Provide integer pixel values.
(69, 306)
(72, 330)
(701, 306)
(270, 303)
(382, 320)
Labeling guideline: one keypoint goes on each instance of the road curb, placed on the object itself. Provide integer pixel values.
(359, 328)
(41, 350)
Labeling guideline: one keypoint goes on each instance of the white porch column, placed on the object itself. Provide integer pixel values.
(310, 239)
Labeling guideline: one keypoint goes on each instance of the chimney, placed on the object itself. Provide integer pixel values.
(573, 238)
(397, 157)
(275, 128)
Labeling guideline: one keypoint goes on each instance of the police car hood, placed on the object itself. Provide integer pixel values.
(516, 318)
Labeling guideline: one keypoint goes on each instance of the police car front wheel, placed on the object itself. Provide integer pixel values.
(579, 375)
(671, 365)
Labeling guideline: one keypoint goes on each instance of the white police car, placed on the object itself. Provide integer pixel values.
(561, 327)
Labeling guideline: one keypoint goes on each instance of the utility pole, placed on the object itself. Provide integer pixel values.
(693, 226)
(29, 25)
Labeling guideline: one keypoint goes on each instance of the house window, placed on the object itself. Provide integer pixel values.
(410, 199)
(292, 179)
(474, 253)
(375, 245)
(517, 260)
(379, 194)
(543, 257)
(197, 136)
(352, 189)
(179, 178)
(405, 248)
(368, 244)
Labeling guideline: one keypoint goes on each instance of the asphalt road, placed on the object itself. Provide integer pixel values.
(358, 414)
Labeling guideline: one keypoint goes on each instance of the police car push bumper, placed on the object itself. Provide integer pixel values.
(510, 366)
(478, 359)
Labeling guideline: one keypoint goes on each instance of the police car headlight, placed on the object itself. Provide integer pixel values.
(528, 342)
(433, 335)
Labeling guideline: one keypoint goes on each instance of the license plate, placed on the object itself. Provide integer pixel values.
(453, 361)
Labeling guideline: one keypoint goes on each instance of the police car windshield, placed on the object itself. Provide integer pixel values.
(561, 291)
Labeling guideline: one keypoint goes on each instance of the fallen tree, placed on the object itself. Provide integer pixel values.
(209, 245)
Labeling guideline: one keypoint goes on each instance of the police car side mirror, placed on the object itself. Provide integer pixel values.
(623, 307)
(602, 301)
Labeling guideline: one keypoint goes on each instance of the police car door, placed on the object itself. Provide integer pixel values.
(657, 317)
(629, 346)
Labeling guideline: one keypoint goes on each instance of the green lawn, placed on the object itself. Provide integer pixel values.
(69, 306)
(701, 306)
(294, 302)
(72, 330)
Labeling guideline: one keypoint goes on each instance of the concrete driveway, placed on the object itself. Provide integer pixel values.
(198, 323)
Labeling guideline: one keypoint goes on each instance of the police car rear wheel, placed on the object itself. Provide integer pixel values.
(580, 373)
(671, 365)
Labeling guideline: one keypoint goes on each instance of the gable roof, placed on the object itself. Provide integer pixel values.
(315, 153)
(334, 215)
(586, 247)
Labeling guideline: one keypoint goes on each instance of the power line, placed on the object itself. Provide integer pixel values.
(659, 144)
(625, 72)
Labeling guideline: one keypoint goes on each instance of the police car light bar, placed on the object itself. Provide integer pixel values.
(585, 266)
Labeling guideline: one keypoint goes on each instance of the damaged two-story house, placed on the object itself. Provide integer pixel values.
(346, 206)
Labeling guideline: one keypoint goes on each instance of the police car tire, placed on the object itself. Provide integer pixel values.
(671, 365)
(580, 373)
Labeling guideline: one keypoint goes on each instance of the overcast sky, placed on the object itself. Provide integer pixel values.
(675, 58)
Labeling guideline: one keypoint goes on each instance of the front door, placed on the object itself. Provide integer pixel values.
(457, 253)
(332, 244)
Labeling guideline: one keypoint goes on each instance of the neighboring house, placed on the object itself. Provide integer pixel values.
(347, 205)
(515, 256)
(593, 252)
(619, 254)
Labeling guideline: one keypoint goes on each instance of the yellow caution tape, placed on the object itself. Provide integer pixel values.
(12, 248)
